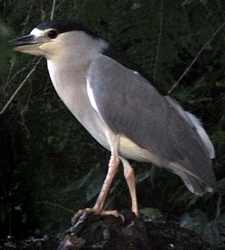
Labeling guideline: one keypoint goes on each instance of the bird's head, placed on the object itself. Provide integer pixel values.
(54, 38)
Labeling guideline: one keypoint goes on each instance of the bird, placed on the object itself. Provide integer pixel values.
(121, 109)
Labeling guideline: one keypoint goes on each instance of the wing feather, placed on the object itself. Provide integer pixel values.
(131, 106)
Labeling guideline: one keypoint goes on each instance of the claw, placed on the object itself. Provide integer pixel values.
(114, 213)
(82, 215)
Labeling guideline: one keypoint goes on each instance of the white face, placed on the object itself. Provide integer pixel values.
(41, 42)
(38, 33)
(55, 46)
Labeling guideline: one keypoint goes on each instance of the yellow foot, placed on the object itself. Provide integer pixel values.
(83, 214)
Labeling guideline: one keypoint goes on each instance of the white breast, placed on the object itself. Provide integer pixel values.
(77, 95)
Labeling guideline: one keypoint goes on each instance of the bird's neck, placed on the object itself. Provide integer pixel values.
(68, 79)
(68, 75)
(68, 70)
(76, 52)
(69, 67)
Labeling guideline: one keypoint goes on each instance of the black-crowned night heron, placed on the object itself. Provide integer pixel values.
(121, 109)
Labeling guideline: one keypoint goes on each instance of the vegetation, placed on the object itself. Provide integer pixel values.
(51, 167)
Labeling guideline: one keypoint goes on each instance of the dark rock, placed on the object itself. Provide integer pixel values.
(110, 233)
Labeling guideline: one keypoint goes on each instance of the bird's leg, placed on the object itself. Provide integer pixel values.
(112, 170)
(130, 179)
(113, 140)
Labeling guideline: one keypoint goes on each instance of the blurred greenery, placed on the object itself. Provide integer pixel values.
(51, 167)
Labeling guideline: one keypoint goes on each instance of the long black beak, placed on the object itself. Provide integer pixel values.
(24, 40)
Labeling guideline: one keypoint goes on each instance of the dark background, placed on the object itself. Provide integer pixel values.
(50, 166)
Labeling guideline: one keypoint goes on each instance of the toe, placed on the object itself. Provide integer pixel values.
(82, 214)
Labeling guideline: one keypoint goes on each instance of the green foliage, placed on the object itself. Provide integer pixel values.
(53, 167)
(211, 230)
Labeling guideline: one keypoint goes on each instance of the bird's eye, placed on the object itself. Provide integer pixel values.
(52, 34)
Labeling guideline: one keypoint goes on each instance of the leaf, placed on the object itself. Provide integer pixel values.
(151, 213)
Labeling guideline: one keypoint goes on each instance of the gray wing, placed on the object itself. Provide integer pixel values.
(131, 106)
(196, 124)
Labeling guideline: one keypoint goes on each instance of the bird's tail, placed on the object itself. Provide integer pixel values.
(193, 182)
(194, 185)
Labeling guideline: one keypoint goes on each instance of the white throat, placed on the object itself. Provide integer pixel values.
(68, 67)
(68, 73)
(75, 48)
